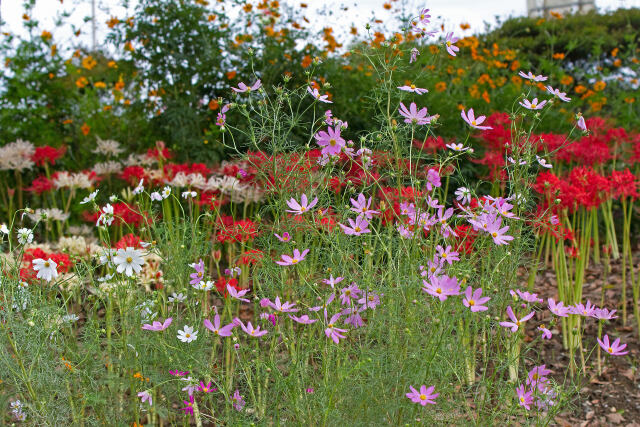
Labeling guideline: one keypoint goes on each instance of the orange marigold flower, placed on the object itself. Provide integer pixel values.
(387, 6)
(113, 22)
(580, 89)
(515, 65)
(303, 5)
(614, 52)
(213, 104)
(354, 31)
(599, 85)
(306, 61)
(617, 62)
(88, 62)
(247, 7)
(119, 84)
(231, 74)
(107, 108)
(82, 82)
(433, 49)
(441, 86)
(112, 64)
(558, 55)
(211, 17)
(485, 96)
(566, 80)
(629, 100)
(556, 15)
(465, 26)
(54, 49)
(46, 35)
(516, 80)
(67, 122)
(25, 17)
(85, 129)
(100, 85)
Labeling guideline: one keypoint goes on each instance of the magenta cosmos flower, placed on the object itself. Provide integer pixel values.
(472, 121)
(250, 330)
(413, 88)
(357, 227)
(238, 401)
(533, 105)
(286, 307)
(304, 319)
(292, 260)
(515, 323)
(303, 206)
(330, 141)
(474, 300)
(614, 349)
(558, 308)
(285, 238)
(449, 43)
(214, 327)
(188, 409)
(525, 398)
(238, 294)
(244, 88)
(197, 276)
(424, 396)
(157, 326)
(413, 115)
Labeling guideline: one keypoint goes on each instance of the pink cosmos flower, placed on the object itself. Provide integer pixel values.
(316, 94)
(303, 206)
(515, 322)
(413, 88)
(413, 116)
(287, 307)
(238, 401)
(145, 396)
(424, 17)
(460, 148)
(556, 92)
(331, 281)
(474, 122)
(581, 123)
(525, 398)
(244, 88)
(414, 55)
(614, 349)
(546, 333)
(350, 292)
(362, 206)
(447, 254)
(531, 76)
(225, 331)
(498, 234)
(537, 377)
(250, 330)
(604, 314)
(292, 260)
(238, 294)
(178, 373)
(474, 300)
(558, 309)
(585, 310)
(330, 141)
(424, 396)
(543, 162)
(369, 300)
(442, 287)
(527, 296)
(197, 276)
(449, 42)
(405, 232)
(331, 331)
(304, 319)
(157, 326)
(433, 180)
(533, 105)
(286, 237)
(357, 227)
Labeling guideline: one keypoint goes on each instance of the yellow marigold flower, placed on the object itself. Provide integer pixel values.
(100, 85)
(88, 62)
(112, 64)
(46, 35)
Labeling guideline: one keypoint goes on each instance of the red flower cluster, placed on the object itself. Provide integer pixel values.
(40, 185)
(47, 154)
(235, 231)
(27, 273)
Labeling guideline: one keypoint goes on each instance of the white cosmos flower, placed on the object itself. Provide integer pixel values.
(177, 297)
(46, 269)
(187, 334)
(543, 162)
(204, 286)
(140, 188)
(463, 195)
(4, 229)
(90, 198)
(25, 236)
(187, 194)
(106, 217)
(156, 197)
(166, 192)
(128, 261)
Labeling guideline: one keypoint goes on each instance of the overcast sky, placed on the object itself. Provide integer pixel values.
(359, 12)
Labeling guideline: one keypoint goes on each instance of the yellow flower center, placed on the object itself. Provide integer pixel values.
(448, 43)
(473, 122)
(47, 264)
(472, 302)
(423, 397)
(129, 260)
(444, 254)
(534, 105)
(439, 291)
(494, 234)
(413, 86)
(357, 229)
(294, 261)
(302, 208)
(332, 142)
(187, 335)
(610, 350)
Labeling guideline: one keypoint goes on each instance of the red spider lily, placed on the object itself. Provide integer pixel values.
(129, 240)
(40, 185)
(239, 231)
(624, 184)
(27, 273)
(47, 154)
(172, 169)
(133, 174)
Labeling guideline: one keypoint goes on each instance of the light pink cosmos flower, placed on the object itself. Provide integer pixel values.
(369, 300)
(157, 326)
(304, 319)
(413, 88)
(543, 162)
(316, 94)
(331, 281)
(581, 123)
(498, 234)
(525, 398)
(225, 331)
(292, 260)
(533, 77)
(198, 275)
(546, 333)
(357, 227)
(474, 122)
(405, 232)
(533, 105)
(604, 314)
(414, 55)
(414, 116)
(458, 147)
(285, 238)
(331, 331)
(556, 92)
(527, 296)
(447, 254)
(449, 42)
(362, 206)
(442, 287)
(424, 396)
(330, 141)
(537, 377)
(585, 310)
(145, 396)
(474, 300)
(249, 329)
(303, 206)
(238, 401)
(237, 294)
(614, 349)
(433, 180)
(244, 88)
(515, 323)
(350, 292)
(424, 17)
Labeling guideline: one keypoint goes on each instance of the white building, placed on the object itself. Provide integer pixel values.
(543, 8)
